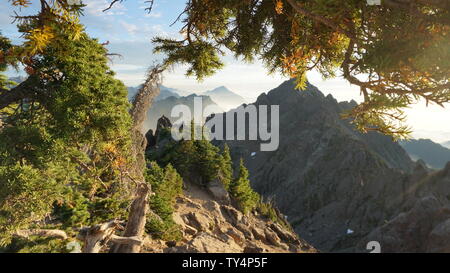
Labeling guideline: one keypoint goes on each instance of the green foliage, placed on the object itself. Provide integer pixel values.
(241, 190)
(201, 57)
(268, 210)
(36, 245)
(226, 168)
(62, 152)
(206, 161)
(26, 195)
(197, 161)
(201, 162)
(5, 45)
(166, 184)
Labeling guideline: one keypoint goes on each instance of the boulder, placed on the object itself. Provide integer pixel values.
(207, 243)
(272, 237)
(258, 233)
(232, 213)
(189, 230)
(253, 248)
(214, 209)
(245, 230)
(198, 221)
(237, 236)
(218, 191)
(283, 234)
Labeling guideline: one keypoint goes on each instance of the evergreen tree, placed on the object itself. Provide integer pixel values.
(64, 148)
(226, 168)
(167, 184)
(241, 190)
(207, 161)
(5, 45)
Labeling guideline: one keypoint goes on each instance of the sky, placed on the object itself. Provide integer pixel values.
(128, 29)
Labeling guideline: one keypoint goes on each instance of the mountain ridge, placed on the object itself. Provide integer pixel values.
(435, 155)
(225, 98)
(329, 178)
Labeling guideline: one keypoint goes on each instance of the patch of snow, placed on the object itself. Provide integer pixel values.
(349, 231)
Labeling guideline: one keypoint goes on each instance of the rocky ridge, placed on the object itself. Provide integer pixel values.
(211, 225)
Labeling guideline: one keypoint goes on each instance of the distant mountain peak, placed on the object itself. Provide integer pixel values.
(434, 154)
(220, 89)
(225, 98)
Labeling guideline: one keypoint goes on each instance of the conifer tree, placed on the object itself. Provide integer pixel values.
(167, 184)
(241, 190)
(226, 168)
(64, 149)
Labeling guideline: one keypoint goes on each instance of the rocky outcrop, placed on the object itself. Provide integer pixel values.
(218, 191)
(424, 228)
(210, 225)
(156, 141)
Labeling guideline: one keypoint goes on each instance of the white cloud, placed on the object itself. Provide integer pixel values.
(130, 28)
(126, 67)
(154, 14)
(131, 79)
(96, 7)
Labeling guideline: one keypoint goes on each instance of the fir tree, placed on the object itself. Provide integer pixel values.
(241, 190)
(62, 150)
(226, 168)
(167, 184)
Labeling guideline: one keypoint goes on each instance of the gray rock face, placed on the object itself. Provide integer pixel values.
(328, 178)
(424, 228)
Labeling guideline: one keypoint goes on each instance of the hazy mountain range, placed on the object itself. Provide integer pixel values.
(164, 107)
(165, 92)
(222, 96)
(225, 98)
(436, 156)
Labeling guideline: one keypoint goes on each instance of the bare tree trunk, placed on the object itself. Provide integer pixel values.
(141, 104)
(139, 208)
(96, 237)
(48, 233)
(136, 221)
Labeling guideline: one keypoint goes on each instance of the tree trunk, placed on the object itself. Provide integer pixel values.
(95, 238)
(48, 233)
(139, 208)
(136, 221)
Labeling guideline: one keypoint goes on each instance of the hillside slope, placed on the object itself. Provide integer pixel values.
(214, 213)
